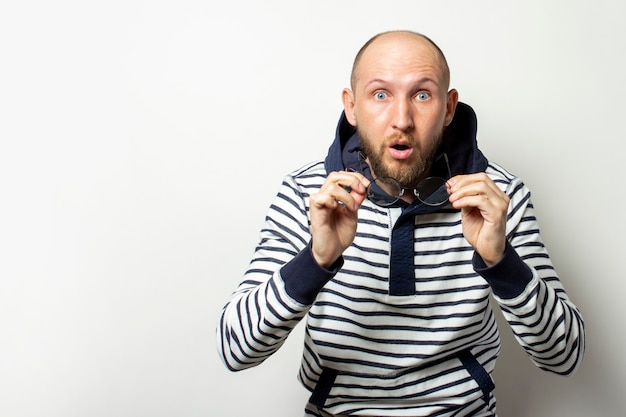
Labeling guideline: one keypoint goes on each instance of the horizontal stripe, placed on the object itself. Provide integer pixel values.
(394, 355)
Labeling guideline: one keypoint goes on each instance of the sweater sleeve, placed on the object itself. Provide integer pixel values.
(269, 303)
(509, 277)
(530, 294)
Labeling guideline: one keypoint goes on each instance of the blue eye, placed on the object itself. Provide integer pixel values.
(421, 96)
(380, 95)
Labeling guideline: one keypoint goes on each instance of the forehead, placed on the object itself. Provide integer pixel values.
(398, 57)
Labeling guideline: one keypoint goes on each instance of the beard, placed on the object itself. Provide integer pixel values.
(408, 172)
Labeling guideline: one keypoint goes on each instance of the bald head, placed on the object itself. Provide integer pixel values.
(406, 40)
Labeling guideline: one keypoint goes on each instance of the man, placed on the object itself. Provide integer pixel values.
(392, 247)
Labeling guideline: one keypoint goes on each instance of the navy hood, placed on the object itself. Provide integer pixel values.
(459, 143)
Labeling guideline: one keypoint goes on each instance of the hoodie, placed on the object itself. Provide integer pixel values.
(402, 323)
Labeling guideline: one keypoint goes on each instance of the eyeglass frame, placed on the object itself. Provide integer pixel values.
(362, 158)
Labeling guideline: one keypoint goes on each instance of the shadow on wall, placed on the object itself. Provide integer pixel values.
(514, 373)
(524, 390)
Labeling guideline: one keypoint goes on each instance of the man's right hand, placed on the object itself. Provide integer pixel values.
(334, 215)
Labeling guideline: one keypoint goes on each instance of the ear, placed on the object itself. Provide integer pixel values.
(347, 96)
(453, 99)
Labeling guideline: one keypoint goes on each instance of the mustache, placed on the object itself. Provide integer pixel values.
(401, 137)
(400, 140)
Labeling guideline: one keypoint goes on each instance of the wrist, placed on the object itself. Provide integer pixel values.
(323, 258)
(304, 277)
(493, 257)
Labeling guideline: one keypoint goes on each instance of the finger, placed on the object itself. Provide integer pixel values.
(347, 188)
(461, 182)
(350, 181)
(476, 184)
(481, 197)
(492, 210)
(323, 200)
(333, 196)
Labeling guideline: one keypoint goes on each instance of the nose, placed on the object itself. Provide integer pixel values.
(403, 115)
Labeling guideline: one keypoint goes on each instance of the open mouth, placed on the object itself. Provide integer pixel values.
(400, 150)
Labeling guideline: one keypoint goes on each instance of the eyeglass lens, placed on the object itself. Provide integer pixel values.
(386, 191)
(432, 191)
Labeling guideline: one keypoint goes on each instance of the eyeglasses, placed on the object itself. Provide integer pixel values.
(386, 191)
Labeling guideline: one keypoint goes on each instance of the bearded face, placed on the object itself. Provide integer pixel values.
(407, 172)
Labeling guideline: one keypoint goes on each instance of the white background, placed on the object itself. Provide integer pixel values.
(142, 141)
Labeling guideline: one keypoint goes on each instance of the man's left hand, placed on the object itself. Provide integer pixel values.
(484, 209)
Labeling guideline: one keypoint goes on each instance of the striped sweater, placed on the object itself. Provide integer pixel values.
(377, 344)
